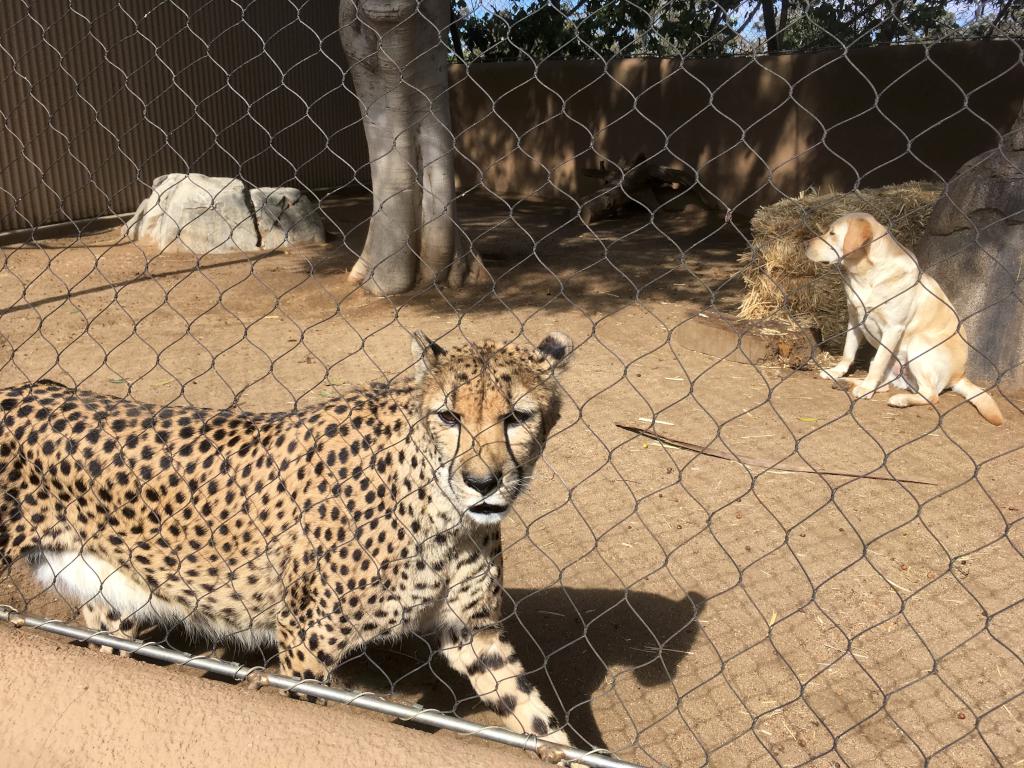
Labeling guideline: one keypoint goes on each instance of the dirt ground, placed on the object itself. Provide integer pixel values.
(680, 610)
(100, 710)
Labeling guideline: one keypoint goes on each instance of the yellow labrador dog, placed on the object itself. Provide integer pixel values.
(902, 312)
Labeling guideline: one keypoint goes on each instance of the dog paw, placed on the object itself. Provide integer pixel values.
(863, 390)
(836, 372)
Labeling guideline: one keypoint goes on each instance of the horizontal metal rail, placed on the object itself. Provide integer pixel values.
(239, 673)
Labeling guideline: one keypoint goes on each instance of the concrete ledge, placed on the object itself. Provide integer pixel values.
(70, 706)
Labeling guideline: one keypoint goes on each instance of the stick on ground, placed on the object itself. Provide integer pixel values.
(778, 466)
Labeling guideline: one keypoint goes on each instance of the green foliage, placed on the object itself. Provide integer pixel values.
(859, 22)
(589, 29)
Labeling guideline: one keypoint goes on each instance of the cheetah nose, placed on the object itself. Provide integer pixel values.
(482, 484)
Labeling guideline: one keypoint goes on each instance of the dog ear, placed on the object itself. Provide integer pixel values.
(859, 233)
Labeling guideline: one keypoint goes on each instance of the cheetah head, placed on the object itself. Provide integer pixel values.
(488, 408)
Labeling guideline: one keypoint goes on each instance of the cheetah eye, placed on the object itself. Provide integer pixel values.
(518, 418)
(448, 418)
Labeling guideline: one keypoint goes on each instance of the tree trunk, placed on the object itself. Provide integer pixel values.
(782, 24)
(771, 36)
(456, 33)
(399, 65)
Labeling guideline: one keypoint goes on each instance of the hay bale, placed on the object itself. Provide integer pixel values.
(782, 285)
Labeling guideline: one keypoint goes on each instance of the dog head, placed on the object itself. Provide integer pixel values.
(848, 237)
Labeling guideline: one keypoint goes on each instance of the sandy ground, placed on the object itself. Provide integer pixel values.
(680, 610)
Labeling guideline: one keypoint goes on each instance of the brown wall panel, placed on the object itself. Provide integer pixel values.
(98, 99)
(754, 129)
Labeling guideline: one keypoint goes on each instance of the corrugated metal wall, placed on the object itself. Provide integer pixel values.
(99, 98)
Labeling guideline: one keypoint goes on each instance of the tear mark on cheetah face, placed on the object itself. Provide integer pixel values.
(488, 409)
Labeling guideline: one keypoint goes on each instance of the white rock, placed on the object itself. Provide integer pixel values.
(204, 214)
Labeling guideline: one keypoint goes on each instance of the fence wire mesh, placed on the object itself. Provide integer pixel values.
(720, 558)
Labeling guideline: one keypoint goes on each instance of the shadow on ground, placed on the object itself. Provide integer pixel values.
(534, 250)
(539, 256)
(574, 643)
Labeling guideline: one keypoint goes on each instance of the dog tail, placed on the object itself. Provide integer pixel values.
(980, 399)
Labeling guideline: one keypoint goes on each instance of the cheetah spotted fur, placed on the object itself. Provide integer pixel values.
(320, 530)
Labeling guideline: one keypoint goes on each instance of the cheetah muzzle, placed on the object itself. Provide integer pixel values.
(317, 530)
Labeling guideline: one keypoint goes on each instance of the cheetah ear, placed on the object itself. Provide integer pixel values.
(555, 349)
(425, 352)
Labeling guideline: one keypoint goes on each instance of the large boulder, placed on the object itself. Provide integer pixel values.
(204, 214)
(974, 247)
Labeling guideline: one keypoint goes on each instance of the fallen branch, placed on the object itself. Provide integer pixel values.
(779, 466)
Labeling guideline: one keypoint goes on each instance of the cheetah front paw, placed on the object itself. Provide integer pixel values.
(554, 751)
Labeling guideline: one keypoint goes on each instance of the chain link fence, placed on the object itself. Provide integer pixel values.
(720, 559)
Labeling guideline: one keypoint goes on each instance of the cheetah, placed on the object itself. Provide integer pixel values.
(317, 530)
